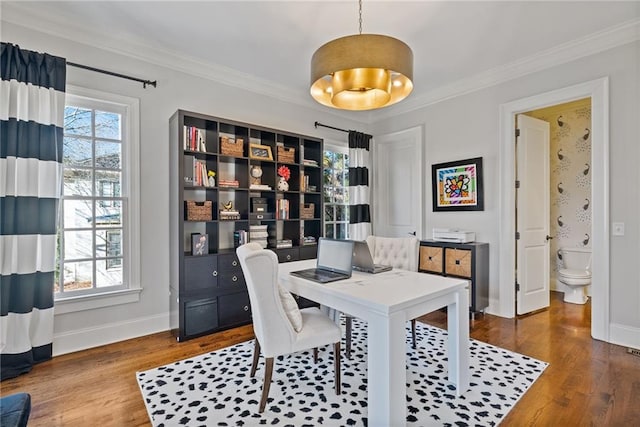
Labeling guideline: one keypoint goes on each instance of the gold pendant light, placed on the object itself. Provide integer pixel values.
(361, 72)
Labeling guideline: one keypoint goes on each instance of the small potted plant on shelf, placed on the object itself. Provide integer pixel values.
(284, 174)
(212, 178)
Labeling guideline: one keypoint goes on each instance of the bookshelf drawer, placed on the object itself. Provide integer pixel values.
(200, 316)
(288, 255)
(458, 262)
(200, 273)
(431, 259)
(234, 309)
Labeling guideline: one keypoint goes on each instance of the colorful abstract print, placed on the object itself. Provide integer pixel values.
(458, 185)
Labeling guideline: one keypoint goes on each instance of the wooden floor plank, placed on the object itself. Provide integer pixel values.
(587, 383)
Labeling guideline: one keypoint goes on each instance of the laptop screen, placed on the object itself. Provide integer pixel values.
(335, 255)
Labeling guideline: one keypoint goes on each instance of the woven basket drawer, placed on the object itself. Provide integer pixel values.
(199, 211)
(431, 259)
(286, 154)
(458, 262)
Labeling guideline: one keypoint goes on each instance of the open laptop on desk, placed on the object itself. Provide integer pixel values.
(334, 261)
(363, 261)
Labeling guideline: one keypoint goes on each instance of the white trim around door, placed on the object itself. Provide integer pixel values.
(598, 91)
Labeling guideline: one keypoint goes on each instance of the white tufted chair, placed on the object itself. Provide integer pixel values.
(280, 327)
(398, 252)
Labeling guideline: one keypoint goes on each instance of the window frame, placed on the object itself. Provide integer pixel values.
(343, 149)
(130, 196)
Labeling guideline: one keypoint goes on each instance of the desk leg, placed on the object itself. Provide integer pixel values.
(387, 371)
(458, 344)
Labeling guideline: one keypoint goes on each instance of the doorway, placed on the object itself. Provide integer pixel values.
(598, 91)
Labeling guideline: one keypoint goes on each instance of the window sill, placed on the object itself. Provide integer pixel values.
(90, 302)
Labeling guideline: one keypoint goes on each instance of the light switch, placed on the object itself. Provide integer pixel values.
(618, 229)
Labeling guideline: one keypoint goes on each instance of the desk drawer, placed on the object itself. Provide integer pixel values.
(458, 262)
(431, 259)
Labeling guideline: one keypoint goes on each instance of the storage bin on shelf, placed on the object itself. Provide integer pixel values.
(307, 211)
(286, 154)
(231, 147)
(199, 211)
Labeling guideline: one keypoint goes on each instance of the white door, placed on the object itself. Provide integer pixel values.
(532, 214)
(397, 184)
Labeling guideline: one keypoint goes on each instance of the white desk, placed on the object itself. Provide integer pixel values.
(386, 301)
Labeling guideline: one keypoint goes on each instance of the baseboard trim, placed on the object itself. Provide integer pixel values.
(626, 336)
(83, 339)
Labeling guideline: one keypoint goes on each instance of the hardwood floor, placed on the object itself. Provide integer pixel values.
(588, 382)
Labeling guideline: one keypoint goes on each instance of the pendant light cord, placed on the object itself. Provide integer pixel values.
(360, 13)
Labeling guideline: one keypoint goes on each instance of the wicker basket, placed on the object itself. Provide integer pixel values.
(307, 211)
(199, 211)
(286, 154)
(232, 147)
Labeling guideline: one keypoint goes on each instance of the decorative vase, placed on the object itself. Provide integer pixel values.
(212, 181)
(283, 185)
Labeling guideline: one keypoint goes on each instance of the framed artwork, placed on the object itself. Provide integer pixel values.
(262, 152)
(199, 244)
(457, 186)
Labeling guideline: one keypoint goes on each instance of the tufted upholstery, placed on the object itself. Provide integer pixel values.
(275, 333)
(398, 252)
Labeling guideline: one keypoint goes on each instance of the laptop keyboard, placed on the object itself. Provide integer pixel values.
(319, 275)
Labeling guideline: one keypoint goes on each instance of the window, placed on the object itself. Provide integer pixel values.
(97, 245)
(336, 192)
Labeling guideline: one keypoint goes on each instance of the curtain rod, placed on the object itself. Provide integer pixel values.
(111, 73)
(316, 124)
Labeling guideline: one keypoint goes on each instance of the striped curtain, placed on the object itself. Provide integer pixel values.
(31, 128)
(359, 191)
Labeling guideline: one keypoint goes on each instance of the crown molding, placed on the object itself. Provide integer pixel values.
(601, 41)
(618, 35)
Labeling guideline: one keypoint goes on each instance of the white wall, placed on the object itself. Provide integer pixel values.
(176, 90)
(467, 126)
(461, 127)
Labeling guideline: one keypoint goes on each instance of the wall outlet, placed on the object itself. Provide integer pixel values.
(618, 229)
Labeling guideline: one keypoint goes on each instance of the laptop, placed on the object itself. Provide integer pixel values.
(333, 262)
(363, 261)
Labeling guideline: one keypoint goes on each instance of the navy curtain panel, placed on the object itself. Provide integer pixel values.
(359, 190)
(32, 95)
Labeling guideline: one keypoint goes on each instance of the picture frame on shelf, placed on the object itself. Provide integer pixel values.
(260, 152)
(457, 186)
(199, 244)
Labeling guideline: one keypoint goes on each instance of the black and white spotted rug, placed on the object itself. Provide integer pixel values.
(215, 389)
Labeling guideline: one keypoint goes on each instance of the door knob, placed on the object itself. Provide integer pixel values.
(549, 238)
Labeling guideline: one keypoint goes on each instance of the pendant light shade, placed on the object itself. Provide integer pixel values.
(362, 72)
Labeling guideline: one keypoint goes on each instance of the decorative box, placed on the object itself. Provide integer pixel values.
(199, 211)
(231, 147)
(258, 204)
(286, 154)
(307, 211)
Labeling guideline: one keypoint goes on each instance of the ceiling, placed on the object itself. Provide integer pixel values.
(270, 43)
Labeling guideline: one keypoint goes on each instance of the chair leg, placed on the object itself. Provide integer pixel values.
(268, 370)
(413, 332)
(336, 366)
(348, 324)
(315, 354)
(256, 356)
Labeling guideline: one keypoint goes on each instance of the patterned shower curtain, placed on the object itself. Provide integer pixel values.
(359, 191)
(32, 95)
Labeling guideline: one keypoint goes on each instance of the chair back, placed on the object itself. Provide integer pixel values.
(398, 252)
(270, 323)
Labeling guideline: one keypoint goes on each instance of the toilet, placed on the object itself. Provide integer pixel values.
(574, 272)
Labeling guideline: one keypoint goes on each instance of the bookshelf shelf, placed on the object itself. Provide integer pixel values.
(244, 161)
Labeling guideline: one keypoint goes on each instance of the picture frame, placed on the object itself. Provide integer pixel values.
(457, 186)
(261, 152)
(199, 244)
